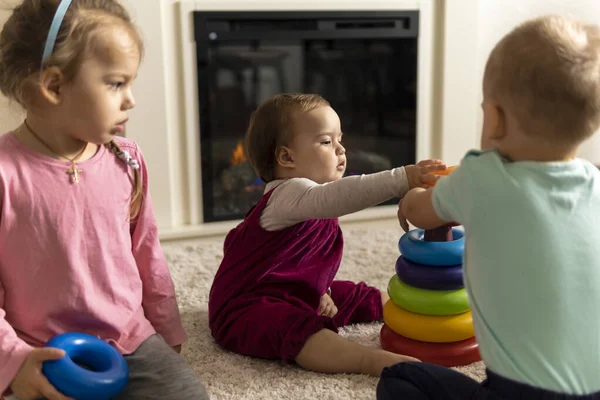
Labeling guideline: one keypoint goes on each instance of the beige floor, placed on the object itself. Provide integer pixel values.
(370, 254)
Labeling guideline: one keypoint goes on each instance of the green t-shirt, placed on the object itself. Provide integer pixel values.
(531, 265)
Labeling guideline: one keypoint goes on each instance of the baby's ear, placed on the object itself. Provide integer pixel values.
(284, 157)
(51, 82)
(497, 121)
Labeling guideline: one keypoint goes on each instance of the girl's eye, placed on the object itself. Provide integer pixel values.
(116, 85)
(327, 142)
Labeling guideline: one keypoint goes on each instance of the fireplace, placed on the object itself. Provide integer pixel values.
(363, 63)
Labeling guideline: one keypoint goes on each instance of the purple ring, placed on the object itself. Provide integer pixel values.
(429, 277)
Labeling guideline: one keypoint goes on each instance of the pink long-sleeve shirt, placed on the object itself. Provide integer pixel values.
(71, 261)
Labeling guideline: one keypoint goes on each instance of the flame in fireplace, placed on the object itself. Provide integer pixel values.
(238, 156)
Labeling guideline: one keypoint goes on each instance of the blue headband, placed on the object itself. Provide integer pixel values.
(54, 28)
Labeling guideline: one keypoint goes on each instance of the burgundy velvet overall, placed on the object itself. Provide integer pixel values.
(265, 296)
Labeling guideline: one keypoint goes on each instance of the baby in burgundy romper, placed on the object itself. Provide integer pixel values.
(274, 295)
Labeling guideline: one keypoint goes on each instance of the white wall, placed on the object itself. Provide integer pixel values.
(496, 18)
(467, 31)
(155, 123)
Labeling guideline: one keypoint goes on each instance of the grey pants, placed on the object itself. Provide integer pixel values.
(156, 372)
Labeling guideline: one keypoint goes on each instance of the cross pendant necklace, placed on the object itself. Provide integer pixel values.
(73, 170)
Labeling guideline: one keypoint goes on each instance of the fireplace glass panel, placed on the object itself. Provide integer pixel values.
(371, 82)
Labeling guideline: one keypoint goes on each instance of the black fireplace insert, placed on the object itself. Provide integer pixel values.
(363, 63)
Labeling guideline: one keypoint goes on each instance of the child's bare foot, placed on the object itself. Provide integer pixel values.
(377, 360)
(384, 297)
(326, 351)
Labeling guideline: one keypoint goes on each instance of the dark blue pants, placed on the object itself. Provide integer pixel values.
(421, 381)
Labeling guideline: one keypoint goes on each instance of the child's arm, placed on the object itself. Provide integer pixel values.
(417, 208)
(159, 302)
(301, 199)
(451, 199)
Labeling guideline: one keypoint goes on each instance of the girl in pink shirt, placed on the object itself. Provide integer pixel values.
(274, 295)
(79, 249)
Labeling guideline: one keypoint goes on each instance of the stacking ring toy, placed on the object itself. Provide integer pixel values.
(429, 277)
(428, 302)
(91, 369)
(428, 328)
(414, 248)
(454, 354)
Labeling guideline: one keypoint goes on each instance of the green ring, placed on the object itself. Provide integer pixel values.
(428, 302)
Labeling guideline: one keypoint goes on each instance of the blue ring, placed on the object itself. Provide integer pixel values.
(429, 277)
(106, 378)
(442, 254)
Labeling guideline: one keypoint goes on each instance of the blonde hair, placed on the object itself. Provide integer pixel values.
(546, 72)
(22, 42)
(271, 127)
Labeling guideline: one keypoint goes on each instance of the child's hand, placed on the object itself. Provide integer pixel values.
(30, 383)
(326, 306)
(418, 175)
(402, 218)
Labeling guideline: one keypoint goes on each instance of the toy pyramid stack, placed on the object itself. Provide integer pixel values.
(428, 315)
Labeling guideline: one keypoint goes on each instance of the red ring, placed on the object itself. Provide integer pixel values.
(453, 354)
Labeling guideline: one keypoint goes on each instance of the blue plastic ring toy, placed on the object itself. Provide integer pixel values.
(414, 248)
(429, 277)
(91, 370)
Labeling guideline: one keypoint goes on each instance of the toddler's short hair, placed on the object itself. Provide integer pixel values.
(271, 127)
(546, 72)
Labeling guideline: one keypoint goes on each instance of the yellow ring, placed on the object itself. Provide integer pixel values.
(428, 328)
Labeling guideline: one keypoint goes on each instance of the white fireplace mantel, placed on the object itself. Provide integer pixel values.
(165, 121)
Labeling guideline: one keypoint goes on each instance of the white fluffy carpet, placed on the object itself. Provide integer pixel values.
(370, 255)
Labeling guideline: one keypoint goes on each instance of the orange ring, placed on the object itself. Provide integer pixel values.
(445, 172)
(428, 328)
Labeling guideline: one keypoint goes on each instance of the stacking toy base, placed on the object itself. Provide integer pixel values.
(453, 354)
